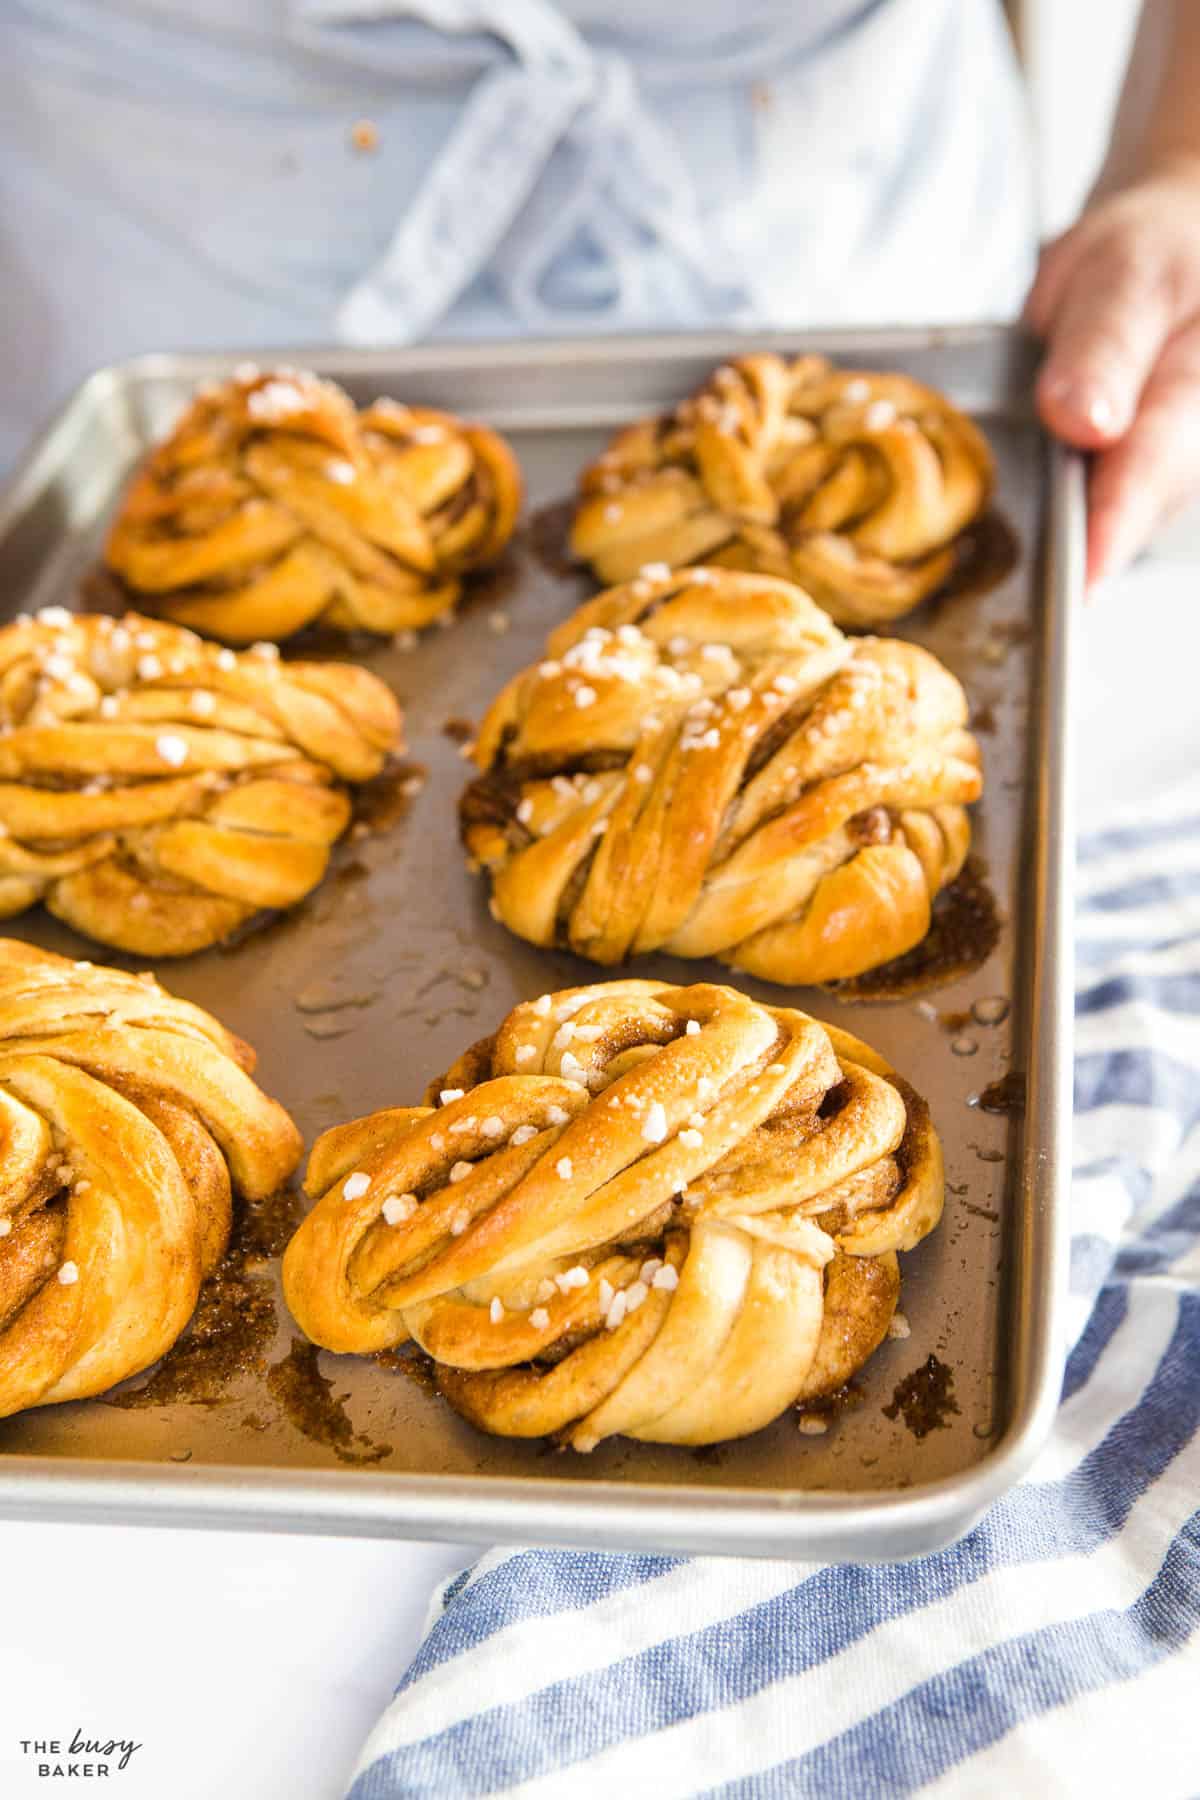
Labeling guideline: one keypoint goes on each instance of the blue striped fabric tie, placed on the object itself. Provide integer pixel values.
(1055, 1650)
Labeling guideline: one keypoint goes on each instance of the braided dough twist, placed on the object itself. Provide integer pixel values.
(642, 1209)
(273, 505)
(705, 765)
(853, 484)
(127, 1120)
(156, 791)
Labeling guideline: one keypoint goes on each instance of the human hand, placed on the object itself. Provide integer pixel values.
(1116, 300)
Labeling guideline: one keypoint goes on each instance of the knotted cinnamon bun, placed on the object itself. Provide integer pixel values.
(703, 764)
(855, 485)
(128, 1119)
(658, 1211)
(273, 505)
(156, 791)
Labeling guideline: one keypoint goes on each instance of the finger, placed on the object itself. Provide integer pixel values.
(1107, 332)
(1139, 483)
(1055, 262)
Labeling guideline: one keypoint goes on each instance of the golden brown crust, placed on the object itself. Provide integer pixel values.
(127, 1119)
(156, 792)
(641, 1209)
(273, 506)
(854, 484)
(704, 765)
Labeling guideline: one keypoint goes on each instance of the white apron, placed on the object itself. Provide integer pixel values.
(182, 173)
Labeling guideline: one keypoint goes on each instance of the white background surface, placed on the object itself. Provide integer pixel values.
(252, 1667)
(249, 1667)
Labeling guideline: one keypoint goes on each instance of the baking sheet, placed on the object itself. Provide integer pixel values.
(400, 938)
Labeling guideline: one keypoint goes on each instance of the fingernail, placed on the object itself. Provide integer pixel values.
(1089, 403)
(1100, 413)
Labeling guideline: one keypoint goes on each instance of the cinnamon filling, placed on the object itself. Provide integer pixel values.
(29, 1257)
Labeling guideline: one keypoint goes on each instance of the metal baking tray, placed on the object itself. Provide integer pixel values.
(402, 930)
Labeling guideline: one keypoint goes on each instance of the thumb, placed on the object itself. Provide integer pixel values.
(1106, 334)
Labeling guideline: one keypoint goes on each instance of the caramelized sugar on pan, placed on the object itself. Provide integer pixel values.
(828, 1407)
(1007, 1095)
(985, 555)
(309, 1402)
(547, 532)
(925, 1398)
(382, 803)
(233, 1327)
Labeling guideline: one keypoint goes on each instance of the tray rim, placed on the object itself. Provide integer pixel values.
(813, 1525)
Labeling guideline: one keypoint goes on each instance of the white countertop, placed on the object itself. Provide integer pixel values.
(251, 1666)
(1137, 688)
(248, 1667)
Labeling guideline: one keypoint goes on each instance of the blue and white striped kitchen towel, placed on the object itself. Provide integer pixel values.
(1054, 1651)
